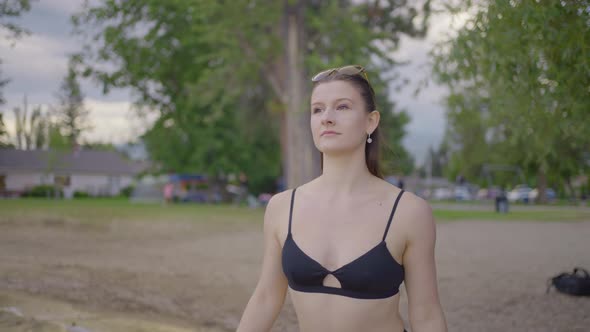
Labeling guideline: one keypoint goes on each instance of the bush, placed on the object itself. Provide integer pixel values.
(81, 194)
(43, 191)
(127, 191)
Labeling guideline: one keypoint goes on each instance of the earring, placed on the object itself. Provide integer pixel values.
(369, 139)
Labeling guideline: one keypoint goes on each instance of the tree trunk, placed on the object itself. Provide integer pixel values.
(301, 159)
(541, 186)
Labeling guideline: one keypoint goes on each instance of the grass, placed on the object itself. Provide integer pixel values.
(101, 210)
(557, 215)
(105, 210)
(561, 202)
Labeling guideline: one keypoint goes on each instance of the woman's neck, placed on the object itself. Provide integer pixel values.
(345, 173)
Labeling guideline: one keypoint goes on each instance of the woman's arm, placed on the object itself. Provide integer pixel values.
(269, 294)
(421, 285)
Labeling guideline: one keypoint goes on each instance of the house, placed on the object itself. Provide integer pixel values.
(98, 173)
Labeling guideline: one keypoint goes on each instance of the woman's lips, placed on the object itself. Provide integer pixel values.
(329, 133)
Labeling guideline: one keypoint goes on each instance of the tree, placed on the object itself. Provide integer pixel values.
(12, 9)
(466, 134)
(99, 146)
(3, 82)
(518, 73)
(396, 159)
(186, 58)
(35, 129)
(73, 117)
(56, 141)
(438, 160)
(4, 138)
(30, 128)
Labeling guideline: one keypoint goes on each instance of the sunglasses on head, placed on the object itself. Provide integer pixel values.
(346, 70)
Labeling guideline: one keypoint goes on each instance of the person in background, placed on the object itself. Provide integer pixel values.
(168, 192)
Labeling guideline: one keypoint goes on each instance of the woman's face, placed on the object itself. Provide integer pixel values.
(339, 121)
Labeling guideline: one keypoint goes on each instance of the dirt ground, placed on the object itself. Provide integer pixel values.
(492, 275)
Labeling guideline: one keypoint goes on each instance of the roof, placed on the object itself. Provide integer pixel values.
(81, 161)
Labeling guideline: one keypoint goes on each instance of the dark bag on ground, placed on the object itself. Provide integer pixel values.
(575, 283)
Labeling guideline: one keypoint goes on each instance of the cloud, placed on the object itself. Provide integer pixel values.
(35, 63)
(37, 52)
(114, 121)
(63, 7)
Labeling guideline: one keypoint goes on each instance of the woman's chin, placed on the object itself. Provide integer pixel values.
(333, 149)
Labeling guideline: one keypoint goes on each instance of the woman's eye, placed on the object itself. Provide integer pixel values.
(343, 107)
(316, 110)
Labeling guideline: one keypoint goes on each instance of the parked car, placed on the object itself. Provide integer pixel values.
(520, 193)
(549, 193)
(482, 194)
(488, 193)
(194, 196)
(442, 193)
(461, 193)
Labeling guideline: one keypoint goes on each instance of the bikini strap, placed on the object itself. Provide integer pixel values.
(291, 209)
(392, 213)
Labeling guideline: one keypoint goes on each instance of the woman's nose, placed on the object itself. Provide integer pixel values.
(328, 117)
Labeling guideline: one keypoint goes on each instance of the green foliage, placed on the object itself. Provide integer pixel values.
(3, 82)
(466, 129)
(10, 9)
(56, 140)
(519, 75)
(165, 65)
(99, 146)
(202, 142)
(81, 194)
(438, 160)
(395, 158)
(43, 191)
(4, 138)
(127, 191)
(73, 117)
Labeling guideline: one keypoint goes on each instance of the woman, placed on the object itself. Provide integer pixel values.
(344, 242)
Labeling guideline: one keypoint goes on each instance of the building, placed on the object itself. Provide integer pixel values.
(97, 173)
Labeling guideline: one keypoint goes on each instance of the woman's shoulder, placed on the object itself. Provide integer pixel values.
(280, 198)
(416, 205)
(278, 203)
(409, 200)
(415, 213)
(276, 211)
(281, 201)
(412, 210)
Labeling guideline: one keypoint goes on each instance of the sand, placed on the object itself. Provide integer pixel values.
(199, 276)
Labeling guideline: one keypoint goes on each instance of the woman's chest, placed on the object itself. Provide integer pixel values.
(338, 234)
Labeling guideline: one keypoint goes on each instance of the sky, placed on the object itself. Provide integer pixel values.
(36, 65)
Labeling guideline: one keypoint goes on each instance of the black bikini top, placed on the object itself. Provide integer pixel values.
(373, 275)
